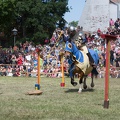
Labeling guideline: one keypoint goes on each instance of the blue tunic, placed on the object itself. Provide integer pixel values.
(94, 55)
(71, 47)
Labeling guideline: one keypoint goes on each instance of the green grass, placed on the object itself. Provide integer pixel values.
(56, 103)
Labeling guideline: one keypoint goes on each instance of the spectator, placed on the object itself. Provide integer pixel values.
(111, 56)
(20, 60)
(111, 22)
(98, 32)
(9, 71)
(117, 60)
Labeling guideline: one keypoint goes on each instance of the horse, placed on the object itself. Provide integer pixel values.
(79, 63)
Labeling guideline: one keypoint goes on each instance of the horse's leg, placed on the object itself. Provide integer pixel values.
(73, 82)
(92, 82)
(72, 73)
(93, 73)
(84, 83)
(80, 83)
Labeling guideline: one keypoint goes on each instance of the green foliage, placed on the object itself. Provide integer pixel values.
(7, 15)
(73, 23)
(34, 19)
(39, 19)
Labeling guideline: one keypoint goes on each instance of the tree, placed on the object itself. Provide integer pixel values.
(7, 20)
(73, 23)
(7, 15)
(39, 18)
(34, 19)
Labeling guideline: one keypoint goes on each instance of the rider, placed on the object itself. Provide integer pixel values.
(81, 44)
(76, 35)
(69, 35)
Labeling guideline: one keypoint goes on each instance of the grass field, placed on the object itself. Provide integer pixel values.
(57, 103)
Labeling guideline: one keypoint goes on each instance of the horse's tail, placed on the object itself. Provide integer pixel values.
(94, 72)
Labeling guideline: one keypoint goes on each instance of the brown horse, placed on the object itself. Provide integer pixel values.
(79, 63)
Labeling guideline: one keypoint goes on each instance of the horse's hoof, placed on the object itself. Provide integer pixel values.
(75, 83)
(80, 91)
(85, 87)
(92, 85)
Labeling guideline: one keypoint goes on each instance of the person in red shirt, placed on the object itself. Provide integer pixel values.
(20, 60)
(98, 32)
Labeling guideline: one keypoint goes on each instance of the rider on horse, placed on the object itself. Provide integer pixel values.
(81, 44)
(78, 59)
(76, 36)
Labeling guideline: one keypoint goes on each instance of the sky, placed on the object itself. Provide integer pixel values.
(76, 11)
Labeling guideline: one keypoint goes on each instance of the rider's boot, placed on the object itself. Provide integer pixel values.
(91, 59)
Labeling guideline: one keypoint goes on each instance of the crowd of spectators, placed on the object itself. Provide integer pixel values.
(21, 60)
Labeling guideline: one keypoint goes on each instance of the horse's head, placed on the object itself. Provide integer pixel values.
(68, 48)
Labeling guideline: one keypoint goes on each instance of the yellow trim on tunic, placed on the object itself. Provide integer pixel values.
(85, 49)
(85, 66)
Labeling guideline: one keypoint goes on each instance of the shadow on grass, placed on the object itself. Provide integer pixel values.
(76, 90)
(88, 90)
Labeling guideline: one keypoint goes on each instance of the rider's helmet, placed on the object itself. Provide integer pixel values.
(80, 37)
(71, 32)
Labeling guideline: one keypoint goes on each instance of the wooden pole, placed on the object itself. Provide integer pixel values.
(37, 85)
(38, 67)
(107, 74)
(108, 38)
(62, 70)
(63, 79)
